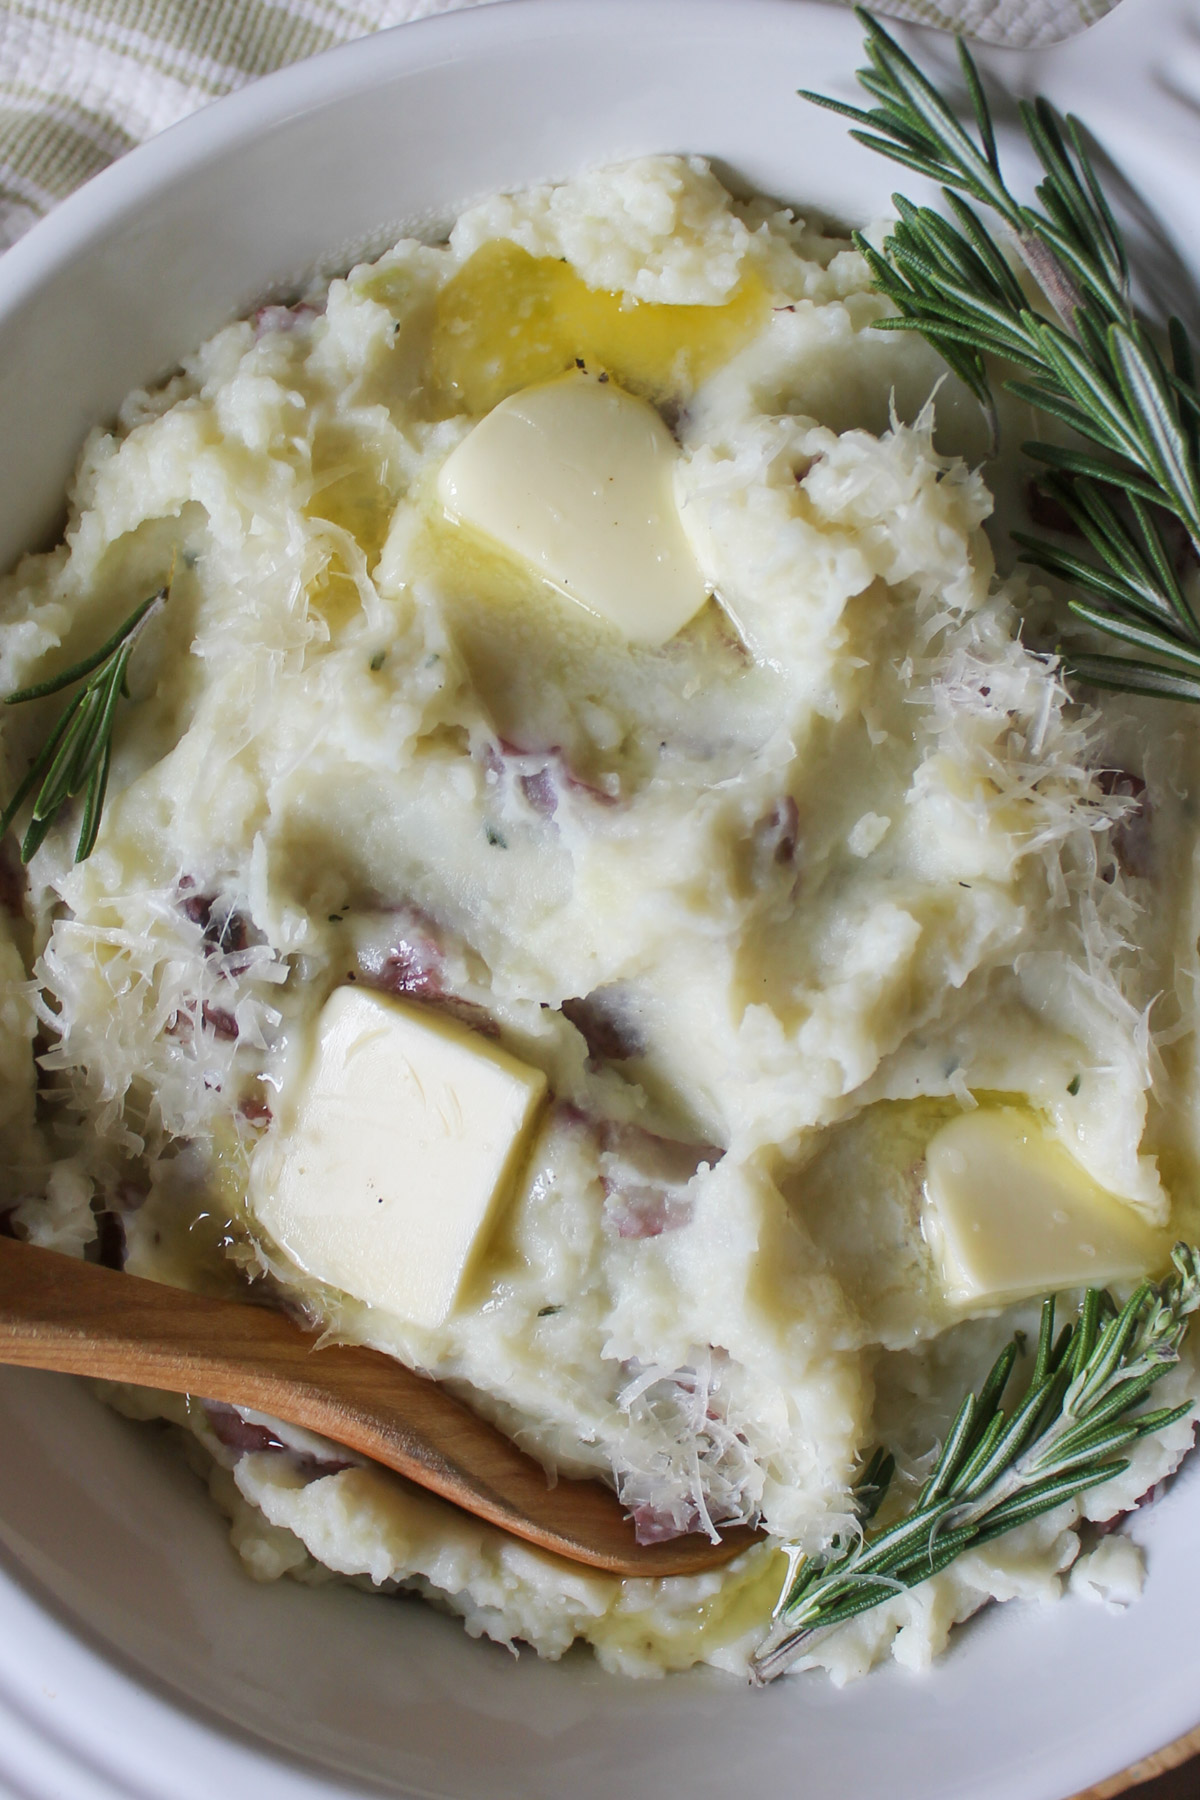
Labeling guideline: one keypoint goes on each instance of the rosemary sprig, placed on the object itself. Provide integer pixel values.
(1000, 1468)
(1094, 366)
(75, 757)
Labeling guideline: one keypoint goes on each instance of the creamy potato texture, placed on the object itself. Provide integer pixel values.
(769, 904)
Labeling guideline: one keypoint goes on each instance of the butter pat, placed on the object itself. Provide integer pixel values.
(394, 1153)
(1009, 1214)
(577, 478)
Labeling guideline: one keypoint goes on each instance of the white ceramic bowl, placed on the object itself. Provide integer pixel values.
(135, 1657)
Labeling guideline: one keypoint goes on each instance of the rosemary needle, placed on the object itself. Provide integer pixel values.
(1131, 491)
(75, 757)
(998, 1469)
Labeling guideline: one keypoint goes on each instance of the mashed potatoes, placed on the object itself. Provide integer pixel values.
(768, 904)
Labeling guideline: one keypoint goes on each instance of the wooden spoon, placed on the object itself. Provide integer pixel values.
(59, 1313)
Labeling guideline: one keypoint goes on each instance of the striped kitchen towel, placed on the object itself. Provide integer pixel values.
(82, 81)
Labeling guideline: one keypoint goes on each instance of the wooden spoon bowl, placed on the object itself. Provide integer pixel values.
(75, 1317)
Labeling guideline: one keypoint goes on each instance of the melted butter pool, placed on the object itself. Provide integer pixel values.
(509, 319)
(736, 1606)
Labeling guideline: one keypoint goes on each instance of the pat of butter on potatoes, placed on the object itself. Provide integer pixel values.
(1010, 1214)
(577, 479)
(395, 1151)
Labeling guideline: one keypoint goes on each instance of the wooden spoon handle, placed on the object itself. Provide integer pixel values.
(59, 1313)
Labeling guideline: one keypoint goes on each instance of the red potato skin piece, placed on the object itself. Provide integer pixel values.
(543, 787)
(236, 1433)
(245, 1437)
(777, 834)
(645, 1178)
(598, 1019)
(641, 1202)
(541, 793)
(653, 1527)
(182, 1023)
(414, 968)
(227, 933)
(644, 1212)
(221, 1023)
(1132, 836)
(275, 317)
